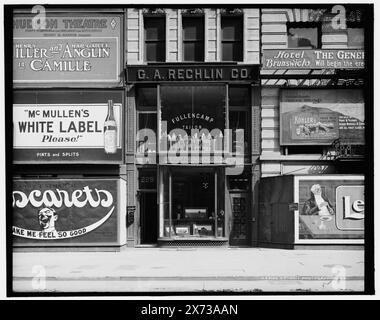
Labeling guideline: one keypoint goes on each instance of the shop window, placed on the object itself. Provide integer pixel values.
(146, 105)
(239, 114)
(240, 182)
(154, 28)
(193, 38)
(193, 202)
(232, 38)
(194, 112)
(146, 98)
(305, 35)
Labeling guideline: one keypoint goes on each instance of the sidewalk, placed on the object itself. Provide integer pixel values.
(189, 270)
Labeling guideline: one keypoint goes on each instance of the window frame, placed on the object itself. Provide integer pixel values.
(158, 41)
(303, 25)
(200, 17)
(239, 18)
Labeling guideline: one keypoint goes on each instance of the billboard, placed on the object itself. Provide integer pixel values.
(330, 208)
(67, 126)
(70, 50)
(65, 211)
(320, 116)
(313, 59)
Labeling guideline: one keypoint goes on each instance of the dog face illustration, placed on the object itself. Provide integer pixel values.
(47, 218)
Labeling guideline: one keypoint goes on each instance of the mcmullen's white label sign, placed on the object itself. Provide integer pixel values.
(65, 209)
(68, 132)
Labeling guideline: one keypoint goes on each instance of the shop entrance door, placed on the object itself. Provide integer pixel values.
(148, 217)
(239, 235)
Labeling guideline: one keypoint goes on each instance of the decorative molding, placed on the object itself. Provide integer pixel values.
(153, 12)
(193, 11)
(231, 11)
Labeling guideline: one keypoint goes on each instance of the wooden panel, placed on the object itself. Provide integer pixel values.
(172, 34)
(274, 28)
(256, 130)
(269, 113)
(255, 13)
(253, 34)
(274, 17)
(270, 144)
(275, 38)
(272, 134)
(268, 167)
(253, 23)
(269, 123)
(130, 121)
(334, 38)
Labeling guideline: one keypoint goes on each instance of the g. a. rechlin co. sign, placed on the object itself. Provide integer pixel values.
(65, 211)
(67, 132)
(313, 59)
(192, 72)
(71, 49)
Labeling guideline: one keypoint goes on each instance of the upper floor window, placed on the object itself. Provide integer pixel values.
(305, 35)
(355, 37)
(154, 28)
(232, 38)
(193, 38)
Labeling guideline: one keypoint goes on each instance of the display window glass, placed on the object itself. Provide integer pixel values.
(189, 116)
(193, 202)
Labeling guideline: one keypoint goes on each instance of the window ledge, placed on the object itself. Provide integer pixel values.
(293, 157)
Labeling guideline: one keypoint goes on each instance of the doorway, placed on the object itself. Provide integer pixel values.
(148, 217)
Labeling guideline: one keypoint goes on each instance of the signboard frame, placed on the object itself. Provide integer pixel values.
(74, 34)
(289, 141)
(307, 59)
(297, 179)
(121, 128)
(120, 212)
(210, 72)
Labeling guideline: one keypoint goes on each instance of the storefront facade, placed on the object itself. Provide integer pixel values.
(313, 125)
(68, 129)
(192, 83)
(200, 126)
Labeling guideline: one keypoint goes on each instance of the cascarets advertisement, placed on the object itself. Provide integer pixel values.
(68, 50)
(321, 116)
(65, 211)
(67, 132)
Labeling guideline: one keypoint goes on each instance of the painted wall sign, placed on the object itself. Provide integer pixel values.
(331, 208)
(185, 73)
(313, 59)
(69, 211)
(321, 116)
(71, 49)
(66, 132)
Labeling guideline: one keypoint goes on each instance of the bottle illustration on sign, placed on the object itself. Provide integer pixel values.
(110, 130)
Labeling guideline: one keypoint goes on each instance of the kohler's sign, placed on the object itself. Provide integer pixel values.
(67, 210)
